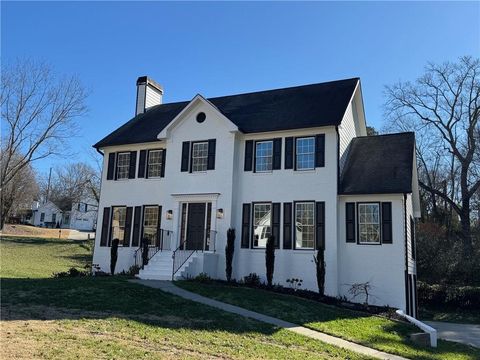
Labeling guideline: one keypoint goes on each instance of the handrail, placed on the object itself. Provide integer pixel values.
(180, 255)
(163, 242)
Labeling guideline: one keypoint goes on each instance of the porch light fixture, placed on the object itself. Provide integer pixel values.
(220, 214)
(169, 215)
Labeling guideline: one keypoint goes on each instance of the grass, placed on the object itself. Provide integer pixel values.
(373, 331)
(40, 257)
(109, 317)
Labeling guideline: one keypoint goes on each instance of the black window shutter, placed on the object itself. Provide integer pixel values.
(245, 226)
(142, 163)
(105, 228)
(211, 154)
(136, 226)
(350, 222)
(320, 224)
(248, 155)
(276, 223)
(159, 224)
(164, 160)
(111, 166)
(133, 165)
(128, 226)
(320, 150)
(387, 223)
(289, 152)
(277, 154)
(287, 225)
(185, 155)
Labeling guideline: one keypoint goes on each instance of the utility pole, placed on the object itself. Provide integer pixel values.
(48, 186)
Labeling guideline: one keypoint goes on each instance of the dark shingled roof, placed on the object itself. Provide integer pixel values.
(380, 164)
(290, 108)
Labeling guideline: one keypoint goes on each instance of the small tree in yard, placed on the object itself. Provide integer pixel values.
(320, 267)
(113, 255)
(144, 245)
(229, 249)
(270, 259)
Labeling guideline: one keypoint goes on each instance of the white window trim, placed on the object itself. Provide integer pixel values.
(144, 217)
(199, 157)
(160, 164)
(379, 242)
(118, 166)
(295, 226)
(256, 157)
(253, 223)
(296, 153)
(111, 224)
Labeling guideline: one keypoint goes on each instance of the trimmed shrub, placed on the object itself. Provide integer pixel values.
(72, 272)
(229, 250)
(202, 277)
(320, 269)
(252, 279)
(113, 255)
(270, 259)
(437, 296)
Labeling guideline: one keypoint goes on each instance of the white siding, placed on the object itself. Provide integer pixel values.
(154, 97)
(381, 265)
(412, 269)
(347, 132)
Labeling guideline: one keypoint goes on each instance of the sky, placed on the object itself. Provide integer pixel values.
(223, 48)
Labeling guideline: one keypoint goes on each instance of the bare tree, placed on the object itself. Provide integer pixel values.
(71, 184)
(20, 193)
(443, 107)
(38, 117)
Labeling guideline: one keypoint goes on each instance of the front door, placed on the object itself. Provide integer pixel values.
(195, 226)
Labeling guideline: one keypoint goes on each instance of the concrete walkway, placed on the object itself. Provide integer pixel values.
(464, 333)
(167, 286)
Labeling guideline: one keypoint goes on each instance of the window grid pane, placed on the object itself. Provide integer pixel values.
(155, 159)
(123, 165)
(305, 225)
(263, 156)
(150, 222)
(199, 157)
(118, 223)
(305, 153)
(369, 223)
(262, 216)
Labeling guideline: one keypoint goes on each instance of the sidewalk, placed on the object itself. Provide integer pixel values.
(168, 286)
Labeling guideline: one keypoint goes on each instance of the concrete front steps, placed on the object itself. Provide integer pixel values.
(160, 267)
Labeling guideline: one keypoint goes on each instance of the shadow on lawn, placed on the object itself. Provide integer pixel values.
(42, 241)
(113, 297)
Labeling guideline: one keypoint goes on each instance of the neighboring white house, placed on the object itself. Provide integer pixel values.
(82, 216)
(46, 214)
(294, 163)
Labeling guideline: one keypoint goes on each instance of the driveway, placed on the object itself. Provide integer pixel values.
(465, 333)
(80, 235)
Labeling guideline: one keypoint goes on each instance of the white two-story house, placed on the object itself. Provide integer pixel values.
(295, 163)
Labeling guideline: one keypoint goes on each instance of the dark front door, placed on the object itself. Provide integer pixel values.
(195, 226)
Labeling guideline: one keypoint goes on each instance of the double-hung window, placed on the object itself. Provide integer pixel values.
(305, 153)
(118, 223)
(199, 156)
(263, 156)
(150, 223)
(123, 165)
(54, 218)
(304, 225)
(369, 223)
(262, 221)
(42, 217)
(155, 159)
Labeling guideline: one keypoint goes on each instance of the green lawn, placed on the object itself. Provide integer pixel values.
(23, 257)
(108, 317)
(376, 332)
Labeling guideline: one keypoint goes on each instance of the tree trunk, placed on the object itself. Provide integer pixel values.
(466, 228)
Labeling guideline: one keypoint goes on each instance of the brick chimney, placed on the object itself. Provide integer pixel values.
(149, 93)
